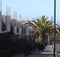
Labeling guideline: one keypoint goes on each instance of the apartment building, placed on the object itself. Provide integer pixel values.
(4, 23)
(7, 24)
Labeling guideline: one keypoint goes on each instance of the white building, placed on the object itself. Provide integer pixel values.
(8, 23)
(16, 26)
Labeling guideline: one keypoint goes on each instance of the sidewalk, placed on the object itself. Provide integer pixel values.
(47, 51)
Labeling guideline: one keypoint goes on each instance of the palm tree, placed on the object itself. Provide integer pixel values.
(57, 33)
(43, 27)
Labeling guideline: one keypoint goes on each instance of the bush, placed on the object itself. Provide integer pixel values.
(11, 44)
(39, 44)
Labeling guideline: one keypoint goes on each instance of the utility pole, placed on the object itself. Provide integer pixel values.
(54, 25)
(0, 16)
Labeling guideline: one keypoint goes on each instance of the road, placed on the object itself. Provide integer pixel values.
(48, 52)
(20, 55)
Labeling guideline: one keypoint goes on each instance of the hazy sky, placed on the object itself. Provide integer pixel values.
(32, 8)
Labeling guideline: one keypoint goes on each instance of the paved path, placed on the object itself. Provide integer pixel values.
(22, 55)
(48, 52)
(49, 48)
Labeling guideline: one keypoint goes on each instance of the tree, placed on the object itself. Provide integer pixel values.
(43, 27)
(57, 33)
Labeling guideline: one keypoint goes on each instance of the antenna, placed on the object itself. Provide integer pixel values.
(0, 5)
(0, 15)
(8, 11)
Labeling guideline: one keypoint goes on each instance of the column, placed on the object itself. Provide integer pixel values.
(15, 29)
(8, 23)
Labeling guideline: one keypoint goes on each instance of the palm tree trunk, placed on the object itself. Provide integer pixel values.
(44, 39)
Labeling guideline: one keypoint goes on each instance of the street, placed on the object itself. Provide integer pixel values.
(48, 52)
(20, 55)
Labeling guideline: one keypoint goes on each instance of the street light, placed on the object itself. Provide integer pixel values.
(54, 24)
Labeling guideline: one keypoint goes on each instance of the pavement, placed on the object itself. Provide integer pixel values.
(48, 52)
(49, 48)
(22, 55)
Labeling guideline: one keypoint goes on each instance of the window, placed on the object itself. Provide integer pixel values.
(3, 26)
(17, 29)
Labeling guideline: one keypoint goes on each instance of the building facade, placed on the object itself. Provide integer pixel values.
(7, 24)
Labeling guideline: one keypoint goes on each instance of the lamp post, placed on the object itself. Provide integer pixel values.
(54, 24)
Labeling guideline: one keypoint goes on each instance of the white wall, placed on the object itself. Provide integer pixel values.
(20, 30)
(15, 29)
(7, 23)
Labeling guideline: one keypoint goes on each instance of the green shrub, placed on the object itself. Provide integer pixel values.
(39, 44)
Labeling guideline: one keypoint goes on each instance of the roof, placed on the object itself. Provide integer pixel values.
(24, 20)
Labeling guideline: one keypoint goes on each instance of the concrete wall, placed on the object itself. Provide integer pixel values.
(7, 23)
(15, 25)
(20, 30)
(15, 29)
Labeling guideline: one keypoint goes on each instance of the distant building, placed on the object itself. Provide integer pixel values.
(7, 24)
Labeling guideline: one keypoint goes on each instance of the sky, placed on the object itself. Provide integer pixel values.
(29, 9)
